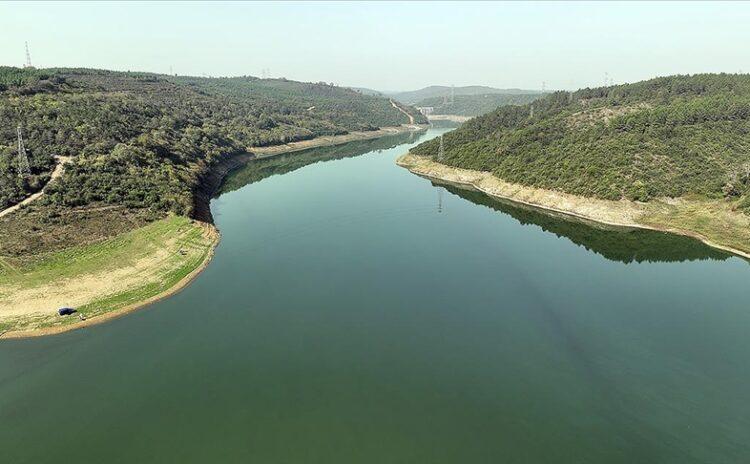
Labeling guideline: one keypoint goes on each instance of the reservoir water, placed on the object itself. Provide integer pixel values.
(357, 313)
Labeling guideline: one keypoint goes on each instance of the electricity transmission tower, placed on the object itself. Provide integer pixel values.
(23, 160)
(28, 57)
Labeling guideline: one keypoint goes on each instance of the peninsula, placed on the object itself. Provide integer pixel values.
(669, 154)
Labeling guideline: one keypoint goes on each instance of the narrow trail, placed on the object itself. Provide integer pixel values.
(59, 170)
(411, 118)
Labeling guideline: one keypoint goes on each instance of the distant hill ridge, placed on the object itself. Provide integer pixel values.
(474, 105)
(433, 91)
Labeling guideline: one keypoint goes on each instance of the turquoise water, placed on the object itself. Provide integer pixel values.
(356, 313)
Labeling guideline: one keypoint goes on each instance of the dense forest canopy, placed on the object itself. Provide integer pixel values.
(665, 137)
(474, 105)
(144, 140)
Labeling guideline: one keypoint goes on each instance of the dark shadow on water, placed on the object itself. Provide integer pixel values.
(259, 169)
(626, 245)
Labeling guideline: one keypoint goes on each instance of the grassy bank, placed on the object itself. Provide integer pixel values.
(715, 222)
(103, 279)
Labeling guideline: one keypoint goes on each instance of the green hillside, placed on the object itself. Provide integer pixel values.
(144, 140)
(474, 105)
(665, 137)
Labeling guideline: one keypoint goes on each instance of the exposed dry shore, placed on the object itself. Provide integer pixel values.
(264, 152)
(711, 221)
(30, 310)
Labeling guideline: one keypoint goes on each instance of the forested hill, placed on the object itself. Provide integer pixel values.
(144, 140)
(665, 137)
(474, 105)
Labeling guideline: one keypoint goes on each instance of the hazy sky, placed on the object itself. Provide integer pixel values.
(387, 46)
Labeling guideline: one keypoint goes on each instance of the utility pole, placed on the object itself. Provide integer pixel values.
(28, 57)
(23, 161)
(453, 94)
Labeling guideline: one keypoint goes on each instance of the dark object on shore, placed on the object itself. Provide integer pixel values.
(65, 311)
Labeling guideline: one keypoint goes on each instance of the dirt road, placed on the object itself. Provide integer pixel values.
(59, 169)
(411, 118)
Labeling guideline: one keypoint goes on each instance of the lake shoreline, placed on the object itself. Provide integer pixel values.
(331, 140)
(621, 213)
(214, 179)
(211, 183)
